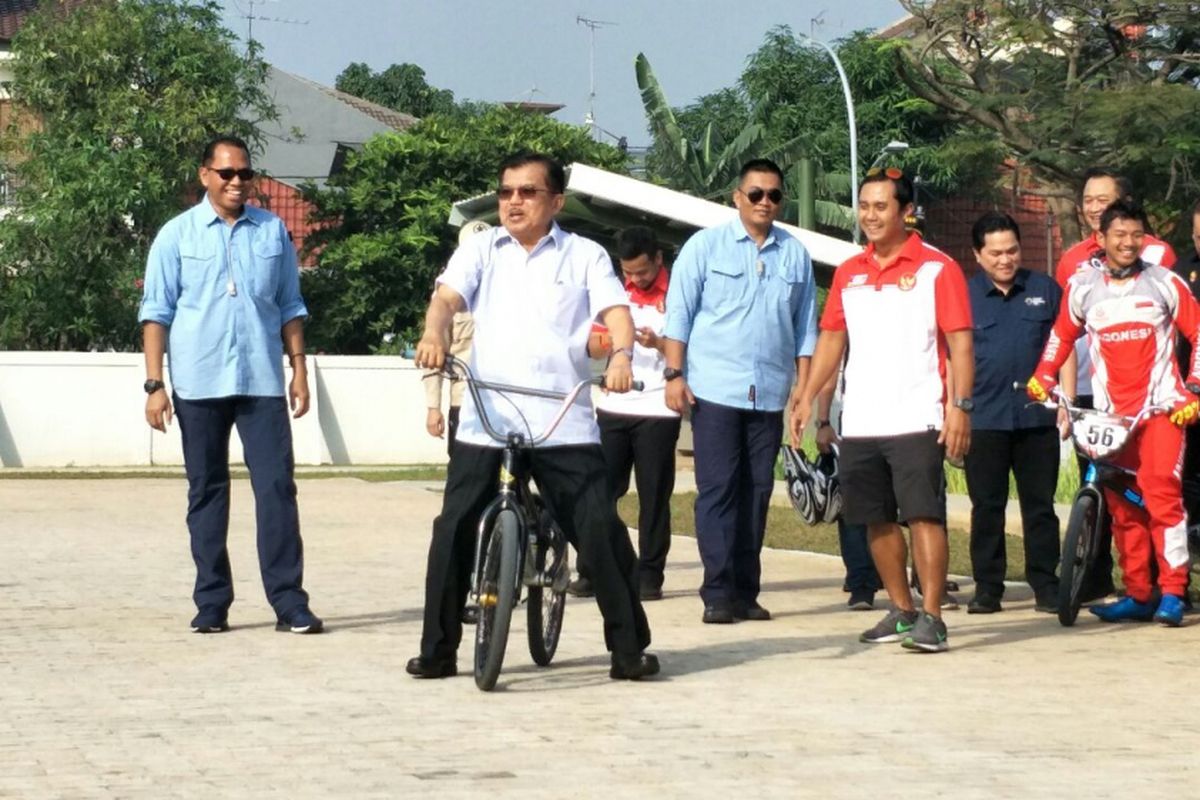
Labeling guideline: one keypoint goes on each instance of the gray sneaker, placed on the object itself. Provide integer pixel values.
(892, 628)
(928, 635)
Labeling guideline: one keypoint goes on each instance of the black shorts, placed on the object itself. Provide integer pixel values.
(892, 478)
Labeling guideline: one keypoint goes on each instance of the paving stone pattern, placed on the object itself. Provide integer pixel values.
(105, 692)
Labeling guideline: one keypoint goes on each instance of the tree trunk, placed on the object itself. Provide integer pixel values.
(1067, 215)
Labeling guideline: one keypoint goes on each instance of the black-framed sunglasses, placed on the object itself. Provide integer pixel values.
(756, 195)
(228, 173)
(894, 173)
(524, 192)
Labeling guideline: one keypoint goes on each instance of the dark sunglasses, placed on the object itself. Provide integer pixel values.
(227, 173)
(524, 192)
(756, 195)
(894, 173)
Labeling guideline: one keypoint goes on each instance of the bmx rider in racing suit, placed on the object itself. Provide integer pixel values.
(1131, 312)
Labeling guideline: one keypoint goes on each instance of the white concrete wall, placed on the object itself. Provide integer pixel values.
(87, 409)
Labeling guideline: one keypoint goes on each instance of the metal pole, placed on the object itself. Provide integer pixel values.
(806, 180)
(837, 62)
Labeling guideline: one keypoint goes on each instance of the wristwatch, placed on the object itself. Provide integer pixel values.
(670, 374)
(823, 423)
(965, 404)
(151, 386)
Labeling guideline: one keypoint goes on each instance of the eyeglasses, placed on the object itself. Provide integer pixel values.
(524, 192)
(228, 173)
(756, 195)
(894, 173)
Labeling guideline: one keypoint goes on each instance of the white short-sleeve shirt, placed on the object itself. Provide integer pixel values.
(533, 312)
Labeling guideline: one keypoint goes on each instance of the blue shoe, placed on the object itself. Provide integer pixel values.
(1124, 609)
(300, 620)
(1170, 611)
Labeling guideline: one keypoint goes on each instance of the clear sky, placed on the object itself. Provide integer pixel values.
(535, 49)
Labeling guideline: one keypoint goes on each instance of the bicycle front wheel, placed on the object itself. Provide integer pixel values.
(498, 592)
(1078, 555)
(546, 604)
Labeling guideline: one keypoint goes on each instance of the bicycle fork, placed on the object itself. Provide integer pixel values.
(506, 498)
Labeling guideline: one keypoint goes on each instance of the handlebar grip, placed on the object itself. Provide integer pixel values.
(635, 386)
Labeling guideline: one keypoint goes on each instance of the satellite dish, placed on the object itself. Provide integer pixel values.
(470, 228)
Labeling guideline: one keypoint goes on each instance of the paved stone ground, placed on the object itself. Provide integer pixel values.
(106, 694)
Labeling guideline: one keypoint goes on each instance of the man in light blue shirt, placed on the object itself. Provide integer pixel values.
(222, 296)
(741, 325)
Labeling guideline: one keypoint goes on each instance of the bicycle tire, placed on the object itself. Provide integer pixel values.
(546, 604)
(498, 593)
(1078, 556)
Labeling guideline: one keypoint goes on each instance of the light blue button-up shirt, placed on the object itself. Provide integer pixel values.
(745, 313)
(224, 292)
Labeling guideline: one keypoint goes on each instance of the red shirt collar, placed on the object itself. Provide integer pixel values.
(910, 251)
(651, 296)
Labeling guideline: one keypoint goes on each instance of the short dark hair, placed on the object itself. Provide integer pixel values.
(556, 178)
(759, 165)
(1196, 208)
(902, 184)
(993, 222)
(229, 140)
(637, 241)
(1124, 185)
(1121, 209)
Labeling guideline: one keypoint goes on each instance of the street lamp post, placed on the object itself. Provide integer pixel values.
(837, 62)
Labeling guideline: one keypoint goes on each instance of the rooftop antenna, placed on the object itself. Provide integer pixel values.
(250, 16)
(592, 24)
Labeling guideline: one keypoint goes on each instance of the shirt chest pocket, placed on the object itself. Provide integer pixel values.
(783, 292)
(266, 260)
(200, 274)
(724, 283)
(1036, 321)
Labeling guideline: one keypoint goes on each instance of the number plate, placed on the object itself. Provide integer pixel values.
(1100, 435)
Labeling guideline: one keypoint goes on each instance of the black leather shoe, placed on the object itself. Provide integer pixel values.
(648, 593)
(984, 604)
(431, 667)
(470, 615)
(717, 614)
(1047, 603)
(581, 587)
(752, 612)
(633, 668)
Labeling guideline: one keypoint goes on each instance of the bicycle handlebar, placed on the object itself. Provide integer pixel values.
(1059, 399)
(457, 369)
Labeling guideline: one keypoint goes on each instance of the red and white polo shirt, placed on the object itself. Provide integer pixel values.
(649, 310)
(896, 318)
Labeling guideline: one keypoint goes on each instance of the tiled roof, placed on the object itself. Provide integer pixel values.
(393, 119)
(14, 12)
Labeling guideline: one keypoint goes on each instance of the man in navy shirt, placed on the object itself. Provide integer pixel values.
(1013, 310)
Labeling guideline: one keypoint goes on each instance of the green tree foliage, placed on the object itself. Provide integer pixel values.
(117, 99)
(791, 95)
(401, 87)
(386, 234)
(1067, 85)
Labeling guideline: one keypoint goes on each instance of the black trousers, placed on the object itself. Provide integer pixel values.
(1032, 455)
(644, 446)
(266, 433)
(451, 428)
(574, 483)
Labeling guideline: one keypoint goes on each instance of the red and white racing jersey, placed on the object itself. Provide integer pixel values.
(1082, 257)
(1131, 329)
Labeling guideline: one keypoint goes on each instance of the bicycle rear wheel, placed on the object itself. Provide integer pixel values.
(546, 604)
(498, 592)
(1078, 555)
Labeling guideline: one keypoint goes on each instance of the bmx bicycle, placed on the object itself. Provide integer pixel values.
(517, 543)
(1099, 437)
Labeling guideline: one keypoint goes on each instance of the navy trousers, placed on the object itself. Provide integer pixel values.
(266, 435)
(856, 557)
(735, 451)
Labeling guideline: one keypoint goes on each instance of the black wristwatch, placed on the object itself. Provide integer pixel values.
(823, 423)
(151, 386)
(670, 374)
(965, 404)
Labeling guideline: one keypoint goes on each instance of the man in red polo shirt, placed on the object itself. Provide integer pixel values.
(901, 306)
(637, 431)
(1101, 188)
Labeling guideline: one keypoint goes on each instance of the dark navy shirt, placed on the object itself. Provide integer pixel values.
(1189, 270)
(1010, 331)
